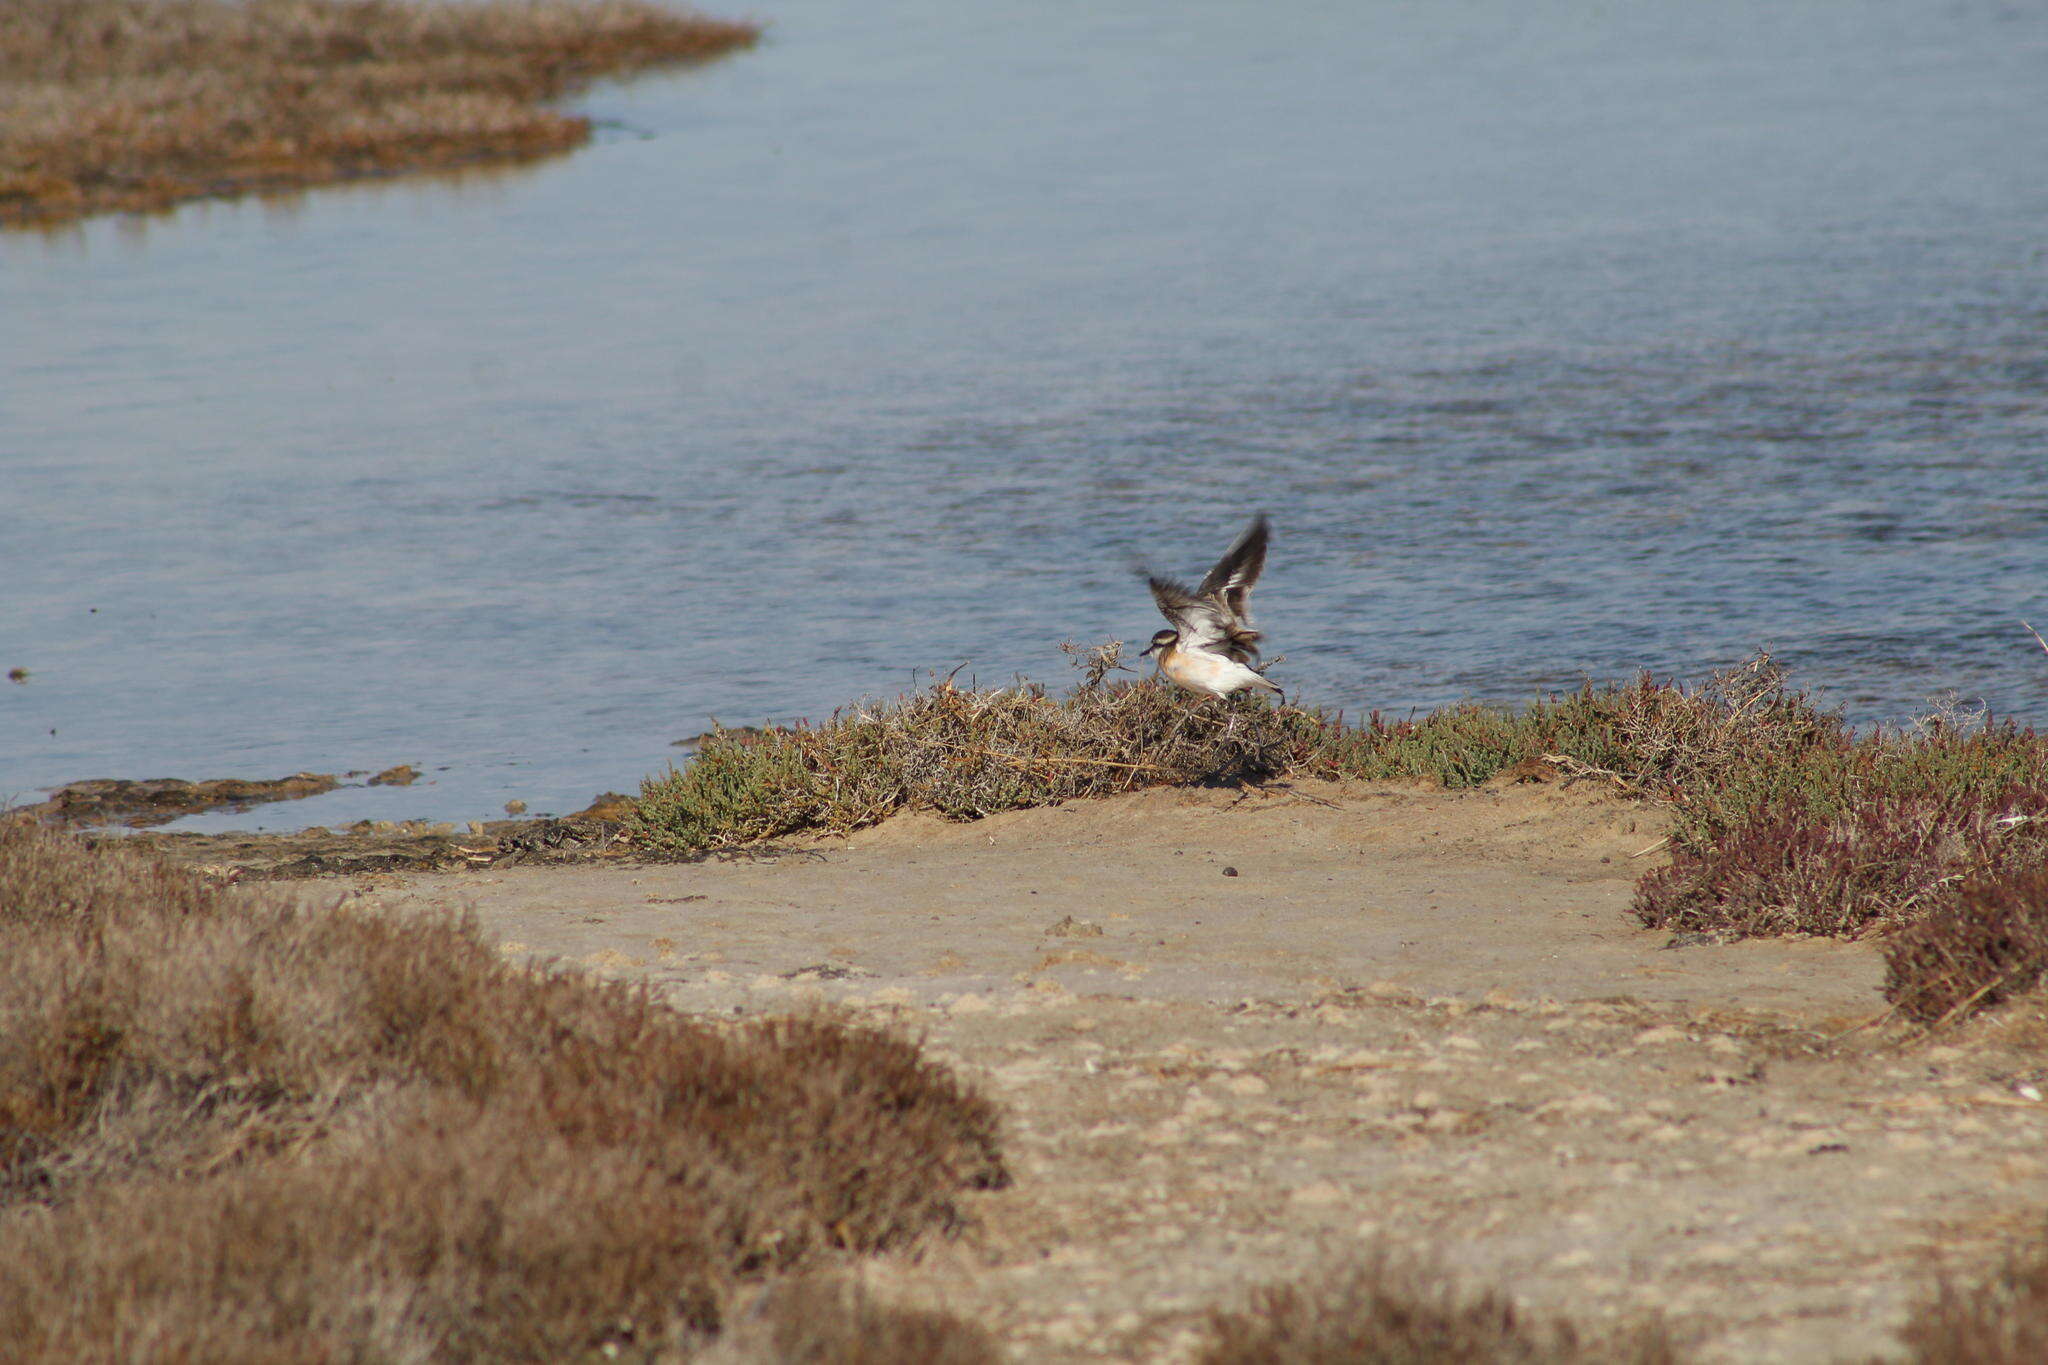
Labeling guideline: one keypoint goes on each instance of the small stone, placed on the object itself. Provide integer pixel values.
(515, 807)
(1069, 927)
(404, 775)
(19, 675)
(968, 1004)
(1655, 1037)
(1230, 872)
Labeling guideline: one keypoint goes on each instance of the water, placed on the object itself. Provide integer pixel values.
(1559, 339)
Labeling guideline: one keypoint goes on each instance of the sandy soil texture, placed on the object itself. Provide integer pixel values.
(1239, 1036)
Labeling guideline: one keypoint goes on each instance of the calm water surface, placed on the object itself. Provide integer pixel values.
(1558, 339)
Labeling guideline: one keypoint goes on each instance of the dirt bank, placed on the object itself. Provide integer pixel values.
(1240, 1035)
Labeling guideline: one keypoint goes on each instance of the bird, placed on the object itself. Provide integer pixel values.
(1212, 645)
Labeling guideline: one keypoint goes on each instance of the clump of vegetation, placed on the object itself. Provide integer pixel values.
(124, 105)
(965, 754)
(816, 1321)
(1984, 943)
(2003, 1320)
(1799, 867)
(234, 1128)
(1384, 1311)
(1649, 738)
(968, 754)
(1868, 834)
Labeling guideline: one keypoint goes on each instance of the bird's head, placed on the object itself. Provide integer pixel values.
(1160, 640)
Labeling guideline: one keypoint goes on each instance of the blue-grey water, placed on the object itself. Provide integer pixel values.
(1559, 340)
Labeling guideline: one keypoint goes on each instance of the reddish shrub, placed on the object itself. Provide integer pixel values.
(1987, 941)
(1878, 862)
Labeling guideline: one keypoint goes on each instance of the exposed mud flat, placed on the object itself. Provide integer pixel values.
(1410, 1014)
(160, 800)
(386, 846)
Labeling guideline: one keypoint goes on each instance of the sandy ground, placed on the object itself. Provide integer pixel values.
(1239, 1037)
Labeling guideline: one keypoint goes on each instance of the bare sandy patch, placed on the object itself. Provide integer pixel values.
(1240, 1036)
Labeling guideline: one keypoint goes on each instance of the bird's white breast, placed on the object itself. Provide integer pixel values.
(1200, 671)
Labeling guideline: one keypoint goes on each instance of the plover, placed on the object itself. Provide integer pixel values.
(1212, 645)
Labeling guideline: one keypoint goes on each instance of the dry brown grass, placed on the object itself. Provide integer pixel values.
(238, 1129)
(1389, 1311)
(112, 105)
(2001, 1320)
(811, 1320)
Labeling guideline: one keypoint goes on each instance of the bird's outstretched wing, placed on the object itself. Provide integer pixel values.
(1230, 582)
(1204, 622)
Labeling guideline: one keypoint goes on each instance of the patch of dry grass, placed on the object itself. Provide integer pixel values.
(1387, 1311)
(237, 1129)
(811, 1320)
(2001, 1320)
(125, 105)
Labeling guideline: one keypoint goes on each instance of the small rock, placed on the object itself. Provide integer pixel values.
(1069, 927)
(515, 807)
(1230, 872)
(404, 775)
(1653, 1037)
(19, 675)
